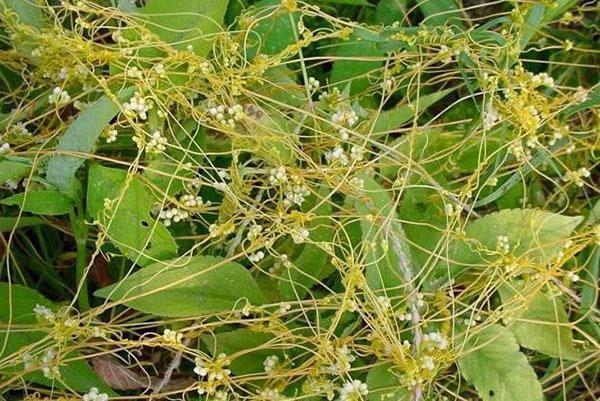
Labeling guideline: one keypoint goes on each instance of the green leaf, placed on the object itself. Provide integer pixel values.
(493, 363)
(12, 170)
(81, 136)
(354, 61)
(312, 265)
(29, 12)
(375, 208)
(384, 385)
(49, 203)
(12, 223)
(129, 223)
(273, 34)
(440, 12)
(540, 322)
(19, 303)
(390, 11)
(390, 120)
(535, 234)
(246, 348)
(183, 23)
(186, 287)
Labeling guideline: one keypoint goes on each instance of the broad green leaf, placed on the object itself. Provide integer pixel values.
(492, 362)
(377, 210)
(129, 223)
(390, 120)
(390, 11)
(384, 385)
(246, 348)
(540, 322)
(312, 265)
(349, 2)
(49, 203)
(19, 303)
(183, 23)
(531, 24)
(273, 34)
(12, 170)
(12, 223)
(127, 5)
(440, 12)
(354, 62)
(28, 12)
(186, 287)
(535, 234)
(81, 136)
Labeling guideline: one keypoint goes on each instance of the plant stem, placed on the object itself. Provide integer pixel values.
(80, 231)
(400, 249)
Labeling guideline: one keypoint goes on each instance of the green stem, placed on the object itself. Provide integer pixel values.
(80, 232)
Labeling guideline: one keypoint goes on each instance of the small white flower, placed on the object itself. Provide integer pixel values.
(270, 363)
(256, 257)
(428, 363)
(44, 314)
(95, 395)
(490, 116)
(172, 336)
(313, 84)
(157, 143)
(300, 236)
(502, 244)
(111, 135)
(59, 97)
(337, 155)
(254, 232)
(4, 148)
(277, 176)
(354, 390)
(573, 277)
(137, 106)
(580, 95)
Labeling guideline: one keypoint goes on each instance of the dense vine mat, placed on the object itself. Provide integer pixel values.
(350, 200)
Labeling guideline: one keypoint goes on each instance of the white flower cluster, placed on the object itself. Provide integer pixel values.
(256, 257)
(577, 176)
(111, 135)
(313, 84)
(95, 395)
(254, 232)
(4, 148)
(354, 390)
(336, 156)
(490, 116)
(271, 394)
(295, 192)
(277, 176)
(299, 236)
(270, 363)
(173, 215)
(227, 115)
(137, 106)
(573, 277)
(344, 118)
(214, 373)
(59, 97)
(356, 153)
(157, 143)
(541, 79)
(388, 84)
(502, 244)
(580, 95)
(172, 336)
(21, 129)
(134, 72)
(44, 314)
(47, 364)
(384, 302)
(343, 359)
(435, 339)
(427, 363)
(192, 201)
